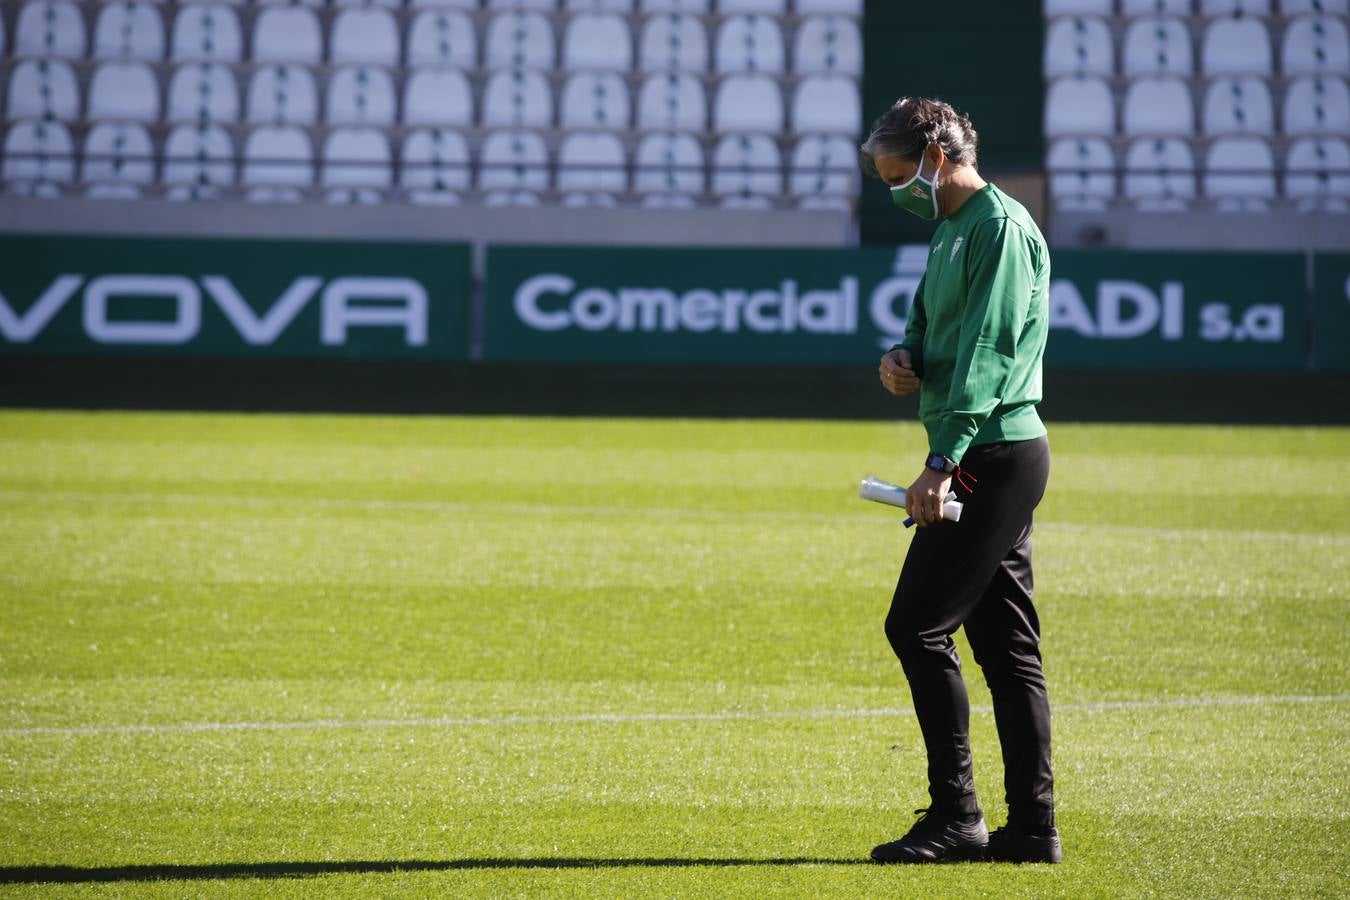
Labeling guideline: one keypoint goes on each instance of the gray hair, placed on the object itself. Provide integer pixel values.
(913, 123)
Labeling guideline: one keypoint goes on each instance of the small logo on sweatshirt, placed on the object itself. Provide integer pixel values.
(956, 245)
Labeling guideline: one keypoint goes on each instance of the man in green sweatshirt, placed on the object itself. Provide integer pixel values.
(972, 349)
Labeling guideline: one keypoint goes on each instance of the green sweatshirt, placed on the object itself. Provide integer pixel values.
(978, 325)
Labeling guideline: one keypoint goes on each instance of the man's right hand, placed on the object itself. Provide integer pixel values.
(897, 373)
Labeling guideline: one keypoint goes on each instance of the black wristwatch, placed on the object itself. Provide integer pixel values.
(939, 463)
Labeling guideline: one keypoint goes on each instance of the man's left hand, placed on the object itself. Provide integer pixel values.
(924, 498)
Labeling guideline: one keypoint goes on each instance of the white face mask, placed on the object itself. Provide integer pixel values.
(919, 194)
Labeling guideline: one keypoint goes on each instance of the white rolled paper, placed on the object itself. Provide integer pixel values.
(894, 495)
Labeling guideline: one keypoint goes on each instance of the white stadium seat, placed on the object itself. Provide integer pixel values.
(824, 166)
(693, 7)
(360, 95)
(1132, 8)
(1317, 105)
(367, 35)
(541, 5)
(591, 163)
(595, 100)
(277, 157)
(677, 42)
(827, 103)
(443, 37)
(198, 156)
(833, 7)
(50, 28)
(287, 34)
(1238, 106)
(598, 41)
(1157, 45)
(750, 44)
(454, 4)
(1079, 106)
(1240, 174)
(1236, 47)
(390, 4)
(748, 103)
(672, 101)
(1310, 7)
(768, 7)
(38, 153)
(1082, 173)
(356, 165)
(203, 92)
(1160, 174)
(118, 152)
(127, 91)
(520, 40)
(520, 98)
(1078, 8)
(283, 95)
(43, 89)
(207, 31)
(747, 166)
(1077, 45)
(618, 6)
(316, 4)
(669, 164)
(1315, 45)
(829, 45)
(1236, 8)
(512, 162)
(1318, 174)
(1158, 107)
(129, 30)
(435, 164)
(437, 97)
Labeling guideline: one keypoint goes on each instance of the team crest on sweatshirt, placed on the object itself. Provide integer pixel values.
(956, 245)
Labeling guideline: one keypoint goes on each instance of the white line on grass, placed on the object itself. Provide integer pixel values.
(621, 718)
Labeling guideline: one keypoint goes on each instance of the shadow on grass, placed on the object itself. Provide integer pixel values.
(78, 874)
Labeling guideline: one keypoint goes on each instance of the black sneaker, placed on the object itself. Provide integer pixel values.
(935, 839)
(1014, 845)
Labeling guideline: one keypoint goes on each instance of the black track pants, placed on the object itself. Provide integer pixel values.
(977, 573)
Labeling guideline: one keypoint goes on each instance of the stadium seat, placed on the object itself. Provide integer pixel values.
(591, 165)
(1054, 8)
(278, 161)
(287, 34)
(356, 166)
(198, 156)
(1079, 106)
(693, 7)
(827, 103)
(767, 7)
(824, 166)
(669, 165)
(748, 103)
(207, 31)
(750, 44)
(595, 100)
(672, 101)
(1316, 45)
(1318, 174)
(50, 28)
(1157, 45)
(443, 37)
(1317, 105)
(1238, 106)
(437, 97)
(1132, 8)
(124, 91)
(1236, 47)
(368, 36)
(520, 40)
(203, 92)
(118, 152)
(1160, 174)
(673, 42)
(435, 165)
(360, 95)
(598, 41)
(831, 7)
(519, 98)
(1075, 45)
(454, 4)
(283, 95)
(43, 89)
(39, 156)
(1082, 173)
(1315, 7)
(618, 6)
(829, 45)
(1158, 107)
(1234, 8)
(512, 165)
(541, 5)
(1240, 174)
(747, 166)
(129, 29)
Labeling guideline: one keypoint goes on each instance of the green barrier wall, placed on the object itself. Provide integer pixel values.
(273, 298)
(1331, 331)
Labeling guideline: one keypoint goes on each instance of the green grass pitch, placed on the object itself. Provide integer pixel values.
(301, 655)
